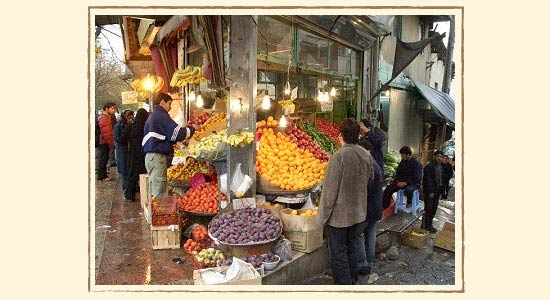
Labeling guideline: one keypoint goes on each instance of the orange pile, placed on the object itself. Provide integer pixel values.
(284, 164)
(203, 199)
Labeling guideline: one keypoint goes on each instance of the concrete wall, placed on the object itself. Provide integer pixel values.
(436, 73)
(405, 126)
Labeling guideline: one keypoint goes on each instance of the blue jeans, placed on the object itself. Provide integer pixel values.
(343, 252)
(366, 246)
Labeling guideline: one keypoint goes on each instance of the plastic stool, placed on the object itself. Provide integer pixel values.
(401, 204)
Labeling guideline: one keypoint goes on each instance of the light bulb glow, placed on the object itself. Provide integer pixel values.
(200, 101)
(266, 103)
(236, 105)
(325, 97)
(320, 96)
(192, 96)
(282, 121)
(148, 83)
(333, 92)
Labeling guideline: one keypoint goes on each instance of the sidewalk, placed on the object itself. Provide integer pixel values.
(123, 244)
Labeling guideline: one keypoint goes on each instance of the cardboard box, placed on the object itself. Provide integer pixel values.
(145, 196)
(305, 241)
(445, 239)
(304, 233)
(415, 241)
(257, 280)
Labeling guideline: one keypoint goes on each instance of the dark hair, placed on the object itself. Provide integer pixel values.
(108, 105)
(366, 123)
(438, 152)
(350, 131)
(141, 117)
(406, 150)
(447, 156)
(365, 144)
(160, 97)
(125, 115)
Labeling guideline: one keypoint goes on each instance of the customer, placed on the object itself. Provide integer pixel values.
(374, 213)
(136, 157)
(343, 204)
(376, 139)
(432, 184)
(106, 140)
(408, 176)
(160, 134)
(448, 173)
(121, 144)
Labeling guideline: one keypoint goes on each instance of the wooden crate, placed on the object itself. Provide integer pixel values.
(145, 196)
(166, 237)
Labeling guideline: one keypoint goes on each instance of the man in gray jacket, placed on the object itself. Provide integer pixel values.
(343, 205)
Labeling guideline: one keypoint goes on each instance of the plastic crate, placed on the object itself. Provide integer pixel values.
(165, 211)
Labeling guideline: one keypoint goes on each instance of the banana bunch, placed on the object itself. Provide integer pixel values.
(190, 74)
(208, 143)
(240, 139)
(156, 83)
(416, 233)
(215, 119)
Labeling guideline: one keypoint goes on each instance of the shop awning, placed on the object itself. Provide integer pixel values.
(442, 103)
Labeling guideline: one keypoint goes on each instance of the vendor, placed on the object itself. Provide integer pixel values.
(160, 134)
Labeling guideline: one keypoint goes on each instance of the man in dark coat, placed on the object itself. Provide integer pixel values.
(136, 157)
(367, 245)
(106, 139)
(376, 139)
(408, 176)
(448, 173)
(432, 184)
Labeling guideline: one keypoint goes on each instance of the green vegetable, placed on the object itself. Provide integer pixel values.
(324, 141)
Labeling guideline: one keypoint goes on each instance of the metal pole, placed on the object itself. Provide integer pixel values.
(448, 64)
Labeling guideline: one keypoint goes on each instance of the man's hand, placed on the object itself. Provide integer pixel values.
(431, 195)
(401, 185)
(197, 127)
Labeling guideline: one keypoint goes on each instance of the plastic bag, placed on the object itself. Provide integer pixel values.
(309, 203)
(240, 183)
(283, 248)
(188, 230)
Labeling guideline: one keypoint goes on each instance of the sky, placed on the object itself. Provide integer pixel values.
(111, 38)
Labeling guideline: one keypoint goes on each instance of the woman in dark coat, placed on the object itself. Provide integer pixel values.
(136, 157)
(121, 144)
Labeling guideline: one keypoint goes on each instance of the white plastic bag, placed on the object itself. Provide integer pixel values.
(240, 183)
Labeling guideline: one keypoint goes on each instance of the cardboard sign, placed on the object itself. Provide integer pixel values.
(197, 180)
(294, 93)
(326, 106)
(243, 203)
(178, 160)
(129, 97)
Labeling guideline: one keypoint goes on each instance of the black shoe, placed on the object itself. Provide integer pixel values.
(432, 230)
(128, 201)
(365, 271)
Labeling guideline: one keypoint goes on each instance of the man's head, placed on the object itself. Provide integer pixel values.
(406, 152)
(446, 159)
(438, 156)
(164, 100)
(365, 126)
(109, 108)
(349, 131)
(365, 144)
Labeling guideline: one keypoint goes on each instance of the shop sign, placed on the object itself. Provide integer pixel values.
(294, 93)
(129, 97)
(243, 203)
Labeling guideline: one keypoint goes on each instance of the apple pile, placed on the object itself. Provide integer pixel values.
(304, 141)
(200, 119)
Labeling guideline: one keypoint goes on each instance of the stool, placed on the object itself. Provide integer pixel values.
(401, 204)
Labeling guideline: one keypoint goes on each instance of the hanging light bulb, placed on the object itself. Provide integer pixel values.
(326, 97)
(282, 121)
(148, 83)
(320, 96)
(287, 88)
(333, 92)
(200, 102)
(192, 96)
(266, 103)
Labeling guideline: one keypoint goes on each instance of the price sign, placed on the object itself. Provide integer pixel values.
(244, 203)
(326, 106)
(294, 93)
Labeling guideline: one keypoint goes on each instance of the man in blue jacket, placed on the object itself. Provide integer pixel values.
(160, 134)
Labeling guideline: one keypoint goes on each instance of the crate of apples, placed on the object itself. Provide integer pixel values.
(203, 199)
